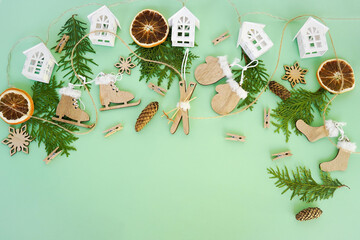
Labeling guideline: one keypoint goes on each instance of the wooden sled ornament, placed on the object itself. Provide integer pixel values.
(113, 130)
(52, 155)
(209, 72)
(185, 95)
(281, 155)
(225, 99)
(221, 38)
(234, 137)
(157, 89)
(62, 43)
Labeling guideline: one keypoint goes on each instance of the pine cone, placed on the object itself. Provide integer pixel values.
(279, 90)
(146, 115)
(308, 214)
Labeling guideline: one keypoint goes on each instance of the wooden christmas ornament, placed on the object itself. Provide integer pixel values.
(100, 20)
(281, 155)
(113, 130)
(221, 38)
(330, 129)
(39, 63)
(183, 107)
(18, 140)
(225, 100)
(146, 115)
(62, 43)
(234, 137)
(340, 162)
(279, 90)
(311, 39)
(157, 89)
(69, 107)
(52, 155)
(309, 214)
(294, 74)
(125, 65)
(209, 72)
(109, 93)
(183, 24)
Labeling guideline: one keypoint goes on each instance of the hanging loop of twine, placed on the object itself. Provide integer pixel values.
(251, 64)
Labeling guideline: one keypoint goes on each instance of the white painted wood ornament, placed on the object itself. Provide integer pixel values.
(253, 39)
(69, 107)
(110, 94)
(183, 24)
(311, 39)
(330, 129)
(103, 19)
(18, 140)
(39, 63)
(229, 94)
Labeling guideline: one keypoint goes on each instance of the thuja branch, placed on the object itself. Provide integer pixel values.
(302, 184)
(301, 105)
(76, 29)
(163, 53)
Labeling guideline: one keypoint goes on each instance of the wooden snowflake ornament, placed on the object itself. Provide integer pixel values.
(125, 65)
(18, 140)
(294, 74)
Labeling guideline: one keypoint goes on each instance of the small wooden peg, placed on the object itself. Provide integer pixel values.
(62, 43)
(234, 137)
(157, 89)
(281, 155)
(266, 118)
(221, 38)
(52, 155)
(113, 130)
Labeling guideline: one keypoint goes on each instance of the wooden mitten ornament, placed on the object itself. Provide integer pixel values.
(109, 93)
(330, 129)
(340, 162)
(69, 107)
(211, 71)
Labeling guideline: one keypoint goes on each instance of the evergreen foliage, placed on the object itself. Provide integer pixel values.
(301, 105)
(76, 29)
(302, 184)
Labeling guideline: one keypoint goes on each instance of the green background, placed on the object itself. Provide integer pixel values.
(157, 186)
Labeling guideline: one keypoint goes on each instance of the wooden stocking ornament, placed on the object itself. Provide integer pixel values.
(340, 162)
(209, 72)
(330, 129)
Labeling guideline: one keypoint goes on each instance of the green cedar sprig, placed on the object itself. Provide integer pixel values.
(76, 29)
(45, 97)
(163, 53)
(301, 105)
(302, 184)
(255, 79)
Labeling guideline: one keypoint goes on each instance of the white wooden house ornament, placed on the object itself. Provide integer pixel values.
(103, 19)
(253, 39)
(39, 63)
(183, 24)
(311, 39)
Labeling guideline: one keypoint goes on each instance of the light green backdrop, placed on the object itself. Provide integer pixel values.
(156, 186)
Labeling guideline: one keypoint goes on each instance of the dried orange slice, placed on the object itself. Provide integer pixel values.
(16, 106)
(149, 28)
(336, 76)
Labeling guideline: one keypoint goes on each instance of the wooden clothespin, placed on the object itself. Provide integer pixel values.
(52, 155)
(281, 155)
(157, 89)
(113, 130)
(234, 137)
(185, 95)
(267, 118)
(221, 38)
(62, 43)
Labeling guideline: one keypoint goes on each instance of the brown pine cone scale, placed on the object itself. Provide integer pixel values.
(279, 90)
(146, 115)
(309, 214)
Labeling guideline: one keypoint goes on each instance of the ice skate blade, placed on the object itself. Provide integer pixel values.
(121, 106)
(72, 123)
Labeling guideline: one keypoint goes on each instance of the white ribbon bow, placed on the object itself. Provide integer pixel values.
(244, 68)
